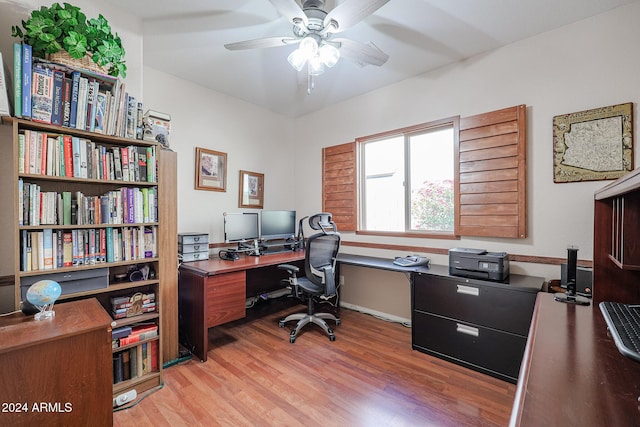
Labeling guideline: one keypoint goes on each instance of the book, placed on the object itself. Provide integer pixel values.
(73, 108)
(17, 79)
(67, 249)
(91, 102)
(139, 122)
(131, 115)
(41, 94)
(66, 101)
(100, 112)
(58, 107)
(126, 367)
(81, 113)
(27, 63)
(5, 109)
(59, 246)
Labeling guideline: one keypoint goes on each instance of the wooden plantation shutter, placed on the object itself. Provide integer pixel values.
(339, 184)
(492, 194)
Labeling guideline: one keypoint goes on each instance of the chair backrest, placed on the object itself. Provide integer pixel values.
(320, 260)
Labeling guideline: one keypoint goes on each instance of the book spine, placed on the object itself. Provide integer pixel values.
(75, 88)
(59, 248)
(101, 113)
(41, 94)
(139, 122)
(81, 114)
(4, 90)
(58, 101)
(17, 79)
(61, 160)
(66, 101)
(21, 153)
(27, 63)
(89, 124)
(67, 249)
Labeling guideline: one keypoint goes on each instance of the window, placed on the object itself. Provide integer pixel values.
(407, 180)
(489, 179)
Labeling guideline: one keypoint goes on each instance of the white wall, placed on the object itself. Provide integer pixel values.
(589, 64)
(253, 138)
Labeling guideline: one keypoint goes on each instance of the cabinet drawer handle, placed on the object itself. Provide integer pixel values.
(468, 290)
(469, 330)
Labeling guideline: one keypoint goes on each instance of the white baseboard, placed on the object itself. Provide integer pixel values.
(385, 316)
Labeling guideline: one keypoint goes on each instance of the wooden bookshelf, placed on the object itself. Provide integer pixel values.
(163, 229)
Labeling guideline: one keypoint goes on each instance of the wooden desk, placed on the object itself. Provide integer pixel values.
(214, 292)
(58, 371)
(572, 372)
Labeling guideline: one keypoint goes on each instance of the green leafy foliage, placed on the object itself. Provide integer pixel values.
(54, 28)
(432, 206)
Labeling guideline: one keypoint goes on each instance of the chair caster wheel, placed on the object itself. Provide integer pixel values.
(332, 337)
(338, 322)
(292, 339)
(281, 324)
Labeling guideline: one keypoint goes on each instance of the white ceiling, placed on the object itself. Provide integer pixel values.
(186, 39)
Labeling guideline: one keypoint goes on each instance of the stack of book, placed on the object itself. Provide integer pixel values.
(80, 99)
(139, 360)
(127, 205)
(134, 305)
(50, 249)
(132, 334)
(52, 154)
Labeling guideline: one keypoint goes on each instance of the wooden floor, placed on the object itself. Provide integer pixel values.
(369, 376)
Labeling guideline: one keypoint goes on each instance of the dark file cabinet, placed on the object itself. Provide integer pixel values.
(478, 324)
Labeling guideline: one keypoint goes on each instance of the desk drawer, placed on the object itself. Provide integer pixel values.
(225, 297)
(195, 256)
(194, 247)
(486, 350)
(493, 306)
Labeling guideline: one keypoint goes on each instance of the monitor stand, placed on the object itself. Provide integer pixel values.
(570, 296)
(571, 299)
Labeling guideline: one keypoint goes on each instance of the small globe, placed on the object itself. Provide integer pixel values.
(44, 292)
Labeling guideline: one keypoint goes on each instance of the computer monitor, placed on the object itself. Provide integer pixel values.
(277, 225)
(240, 227)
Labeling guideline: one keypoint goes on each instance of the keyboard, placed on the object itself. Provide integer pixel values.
(623, 321)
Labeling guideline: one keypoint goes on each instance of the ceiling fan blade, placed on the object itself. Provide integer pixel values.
(349, 13)
(361, 53)
(262, 43)
(291, 10)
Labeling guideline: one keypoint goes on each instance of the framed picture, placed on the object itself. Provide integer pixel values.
(251, 190)
(593, 145)
(211, 170)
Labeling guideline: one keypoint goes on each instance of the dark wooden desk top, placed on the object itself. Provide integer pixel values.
(72, 318)
(215, 265)
(514, 281)
(572, 373)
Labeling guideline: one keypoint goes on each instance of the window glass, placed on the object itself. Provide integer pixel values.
(425, 161)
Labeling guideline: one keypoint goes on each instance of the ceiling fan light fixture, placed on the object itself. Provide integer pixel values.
(309, 46)
(329, 55)
(297, 59)
(316, 66)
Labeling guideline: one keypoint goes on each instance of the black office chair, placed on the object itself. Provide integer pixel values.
(320, 281)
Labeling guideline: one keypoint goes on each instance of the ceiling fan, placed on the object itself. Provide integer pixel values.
(313, 30)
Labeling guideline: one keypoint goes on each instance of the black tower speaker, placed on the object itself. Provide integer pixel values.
(570, 296)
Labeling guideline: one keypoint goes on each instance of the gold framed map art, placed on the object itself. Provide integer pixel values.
(593, 145)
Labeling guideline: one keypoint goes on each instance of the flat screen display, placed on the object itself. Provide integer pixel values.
(277, 225)
(240, 227)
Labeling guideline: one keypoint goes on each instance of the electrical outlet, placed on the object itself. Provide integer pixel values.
(341, 280)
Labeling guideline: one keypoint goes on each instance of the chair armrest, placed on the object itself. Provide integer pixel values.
(290, 268)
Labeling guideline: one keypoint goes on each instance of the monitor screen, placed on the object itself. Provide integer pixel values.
(240, 227)
(278, 225)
